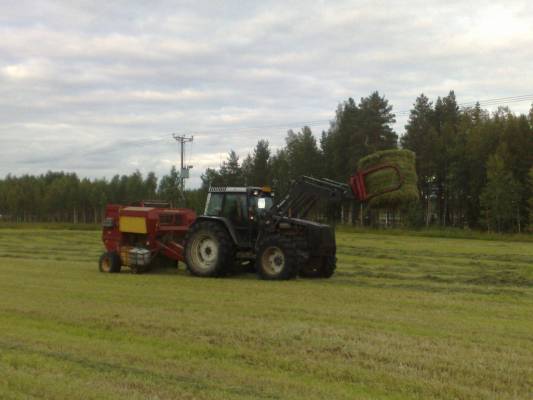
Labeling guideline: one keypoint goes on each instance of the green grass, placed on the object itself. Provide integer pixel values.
(405, 317)
(439, 232)
(50, 225)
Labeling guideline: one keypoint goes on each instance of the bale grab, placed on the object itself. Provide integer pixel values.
(390, 179)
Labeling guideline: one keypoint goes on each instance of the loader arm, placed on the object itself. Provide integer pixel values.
(306, 191)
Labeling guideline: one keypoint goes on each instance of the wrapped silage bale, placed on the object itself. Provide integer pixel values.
(382, 180)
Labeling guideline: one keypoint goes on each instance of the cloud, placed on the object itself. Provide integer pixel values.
(98, 87)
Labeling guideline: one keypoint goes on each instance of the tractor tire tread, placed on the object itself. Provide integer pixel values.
(290, 251)
(325, 269)
(226, 248)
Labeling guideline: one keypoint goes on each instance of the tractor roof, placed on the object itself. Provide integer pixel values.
(233, 189)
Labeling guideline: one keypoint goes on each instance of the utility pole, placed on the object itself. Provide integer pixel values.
(184, 170)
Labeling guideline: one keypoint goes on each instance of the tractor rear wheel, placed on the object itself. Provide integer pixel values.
(209, 250)
(319, 267)
(109, 262)
(277, 258)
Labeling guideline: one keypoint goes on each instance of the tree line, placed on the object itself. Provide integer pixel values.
(475, 168)
(64, 197)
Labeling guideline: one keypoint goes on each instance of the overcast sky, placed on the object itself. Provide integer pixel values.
(97, 87)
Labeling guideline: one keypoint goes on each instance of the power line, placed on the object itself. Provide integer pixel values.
(287, 125)
(119, 145)
(498, 101)
(488, 102)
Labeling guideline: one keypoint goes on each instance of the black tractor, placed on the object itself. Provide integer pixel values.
(245, 226)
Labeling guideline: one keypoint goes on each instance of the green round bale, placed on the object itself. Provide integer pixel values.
(382, 180)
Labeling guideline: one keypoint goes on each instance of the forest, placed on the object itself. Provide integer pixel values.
(475, 168)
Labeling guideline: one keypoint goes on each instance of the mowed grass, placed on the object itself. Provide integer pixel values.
(403, 318)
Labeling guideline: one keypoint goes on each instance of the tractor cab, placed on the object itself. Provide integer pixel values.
(242, 207)
(238, 204)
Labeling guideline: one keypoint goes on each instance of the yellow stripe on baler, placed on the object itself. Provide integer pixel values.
(132, 224)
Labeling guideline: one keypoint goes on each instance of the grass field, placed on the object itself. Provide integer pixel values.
(405, 317)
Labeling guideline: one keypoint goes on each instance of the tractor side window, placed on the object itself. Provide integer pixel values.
(235, 207)
(214, 206)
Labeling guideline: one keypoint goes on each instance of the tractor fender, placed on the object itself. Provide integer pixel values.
(223, 221)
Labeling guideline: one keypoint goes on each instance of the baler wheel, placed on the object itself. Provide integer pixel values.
(277, 258)
(209, 250)
(109, 262)
(138, 270)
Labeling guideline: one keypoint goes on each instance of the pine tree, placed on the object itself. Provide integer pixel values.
(446, 124)
(150, 186)
(261, 164)
(135, 187)
(247, 168)
(341, 147)
(500, 196)
(357, 131)
(169, 187)
(256, 169)
(375, 123)
(211, 177)
(421, 137)
(280, 172)
(530, 200)
(231, 172)
(303, 154)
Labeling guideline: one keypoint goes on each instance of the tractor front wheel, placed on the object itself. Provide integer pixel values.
(209, 250)
(109, 262)
(329, 266)
(319, 267)
(276, 259)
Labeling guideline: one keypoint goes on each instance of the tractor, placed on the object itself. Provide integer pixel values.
(245, 225)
